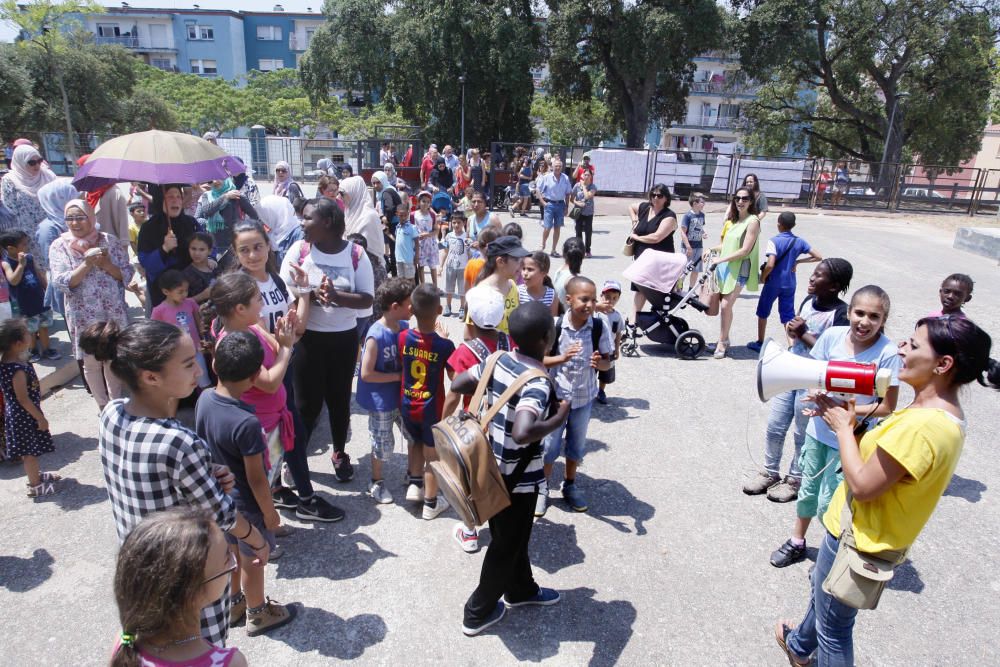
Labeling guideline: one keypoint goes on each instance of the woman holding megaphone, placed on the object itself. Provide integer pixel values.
(893, 479)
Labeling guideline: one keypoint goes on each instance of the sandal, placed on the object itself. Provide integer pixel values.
(720, 349)
(781, 632)
(42, 489)
(51, 477)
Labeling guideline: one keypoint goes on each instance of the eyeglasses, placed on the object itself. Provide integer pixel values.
(281, 171)
(74, 218)
(657, 195)
(739, 198)
(34, 163)
(231, 566)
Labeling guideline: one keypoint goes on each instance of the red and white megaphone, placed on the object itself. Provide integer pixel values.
(779, 371)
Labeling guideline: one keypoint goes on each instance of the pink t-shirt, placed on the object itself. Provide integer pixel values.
(938, 313)
(183, 316)
(213, 657)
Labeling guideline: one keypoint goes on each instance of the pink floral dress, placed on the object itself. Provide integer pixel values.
(99, 297)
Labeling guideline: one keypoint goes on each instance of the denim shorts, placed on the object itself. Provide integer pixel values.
(575, 429)
(43, 320)
(255, 519)
(554, 213)
(523, 190)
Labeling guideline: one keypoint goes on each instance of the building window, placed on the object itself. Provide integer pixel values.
(108, 30)
(310, 33)
(269, 33)
(161, 63)
(270, 64)
(201, 32)
(201, 66)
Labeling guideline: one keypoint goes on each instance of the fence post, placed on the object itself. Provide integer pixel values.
(896, 191)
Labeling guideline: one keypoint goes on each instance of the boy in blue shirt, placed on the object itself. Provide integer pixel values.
(406, 248)
(778, 275)
(381, 375)
(27, 288)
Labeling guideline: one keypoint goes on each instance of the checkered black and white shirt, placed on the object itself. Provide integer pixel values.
(154, 464)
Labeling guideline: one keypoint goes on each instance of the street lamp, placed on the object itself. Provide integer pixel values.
(892, 121)
(461, 80)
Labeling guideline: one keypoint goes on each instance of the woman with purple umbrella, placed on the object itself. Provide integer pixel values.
(163, 239)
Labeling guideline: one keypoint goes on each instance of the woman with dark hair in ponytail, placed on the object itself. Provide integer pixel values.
(173, 564)
(893, 479)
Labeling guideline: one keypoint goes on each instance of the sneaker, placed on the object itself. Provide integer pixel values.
(379, 493)
(788, 554)
(283, 530)
(52, 354)
(785, 491)
(755, 345)
(35, 357)
(285, 499)
(602, 397)
(447, 312)
(469, 543)
(541, 504)
(271, 617)
(286, 476)
(317, 509)
(544, 597)
(761, 482)
(461, 314)
(492, 619)
(436, 511)
(277, 552)
(574, 498)
(237, 610)
(414, 493)
(342, 467)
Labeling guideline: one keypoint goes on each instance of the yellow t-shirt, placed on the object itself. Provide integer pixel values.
(511, 301)
(927, 442)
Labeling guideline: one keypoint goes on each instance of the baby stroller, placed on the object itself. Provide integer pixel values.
(442, 204)
(656, 273)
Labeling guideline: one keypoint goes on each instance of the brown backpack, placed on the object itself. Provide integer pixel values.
(466, 469)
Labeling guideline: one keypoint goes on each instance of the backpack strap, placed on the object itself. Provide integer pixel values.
(596, 331)
(304, 250)
(515, 386)
(479, 348)
(356, 252)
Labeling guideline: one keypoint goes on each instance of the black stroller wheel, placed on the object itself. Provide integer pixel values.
(689, 344)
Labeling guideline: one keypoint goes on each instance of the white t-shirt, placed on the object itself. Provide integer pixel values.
(276, 302)
(339, 269)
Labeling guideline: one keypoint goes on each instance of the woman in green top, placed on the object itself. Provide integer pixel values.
(737, 264)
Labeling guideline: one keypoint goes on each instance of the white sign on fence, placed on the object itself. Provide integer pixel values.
(617, 170)
(670, 171)
(777, 179)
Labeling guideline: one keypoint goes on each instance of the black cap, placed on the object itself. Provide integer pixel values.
(506, 245)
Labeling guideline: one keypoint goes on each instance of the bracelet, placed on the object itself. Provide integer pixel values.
(249, 530)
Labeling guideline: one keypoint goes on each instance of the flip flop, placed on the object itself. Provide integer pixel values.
(781, 631)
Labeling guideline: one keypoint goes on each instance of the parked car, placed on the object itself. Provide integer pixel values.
(923, 193)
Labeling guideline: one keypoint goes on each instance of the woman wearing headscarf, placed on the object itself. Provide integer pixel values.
(110, 206)
(387, 203)
(163, 239)
(220, 208)
(360, 214)
(394, 179)
(441, 179)
(284, 185)
(283, 227)
(91, 269)
(19, 190)
(246, 185)
(53, 197)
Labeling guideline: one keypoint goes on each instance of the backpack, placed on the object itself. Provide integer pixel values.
(466, 469)
(356, 252)
(481, 352)
(596, 330)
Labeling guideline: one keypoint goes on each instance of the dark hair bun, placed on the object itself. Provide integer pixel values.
(992, 374)
(101, 340)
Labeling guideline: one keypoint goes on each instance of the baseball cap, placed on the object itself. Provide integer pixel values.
(423, 193)
(486, 306)
(509, 246)
(586, 156)
(611, 286)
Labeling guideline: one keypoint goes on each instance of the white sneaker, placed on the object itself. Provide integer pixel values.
(414, 493)
(286, 476)
(541, 504)
(379, 493)
(436, 511)
(469, 543)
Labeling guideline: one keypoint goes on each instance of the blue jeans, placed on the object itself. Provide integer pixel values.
(786, 410)
(575, 428)
(553, 214)
(827, 631)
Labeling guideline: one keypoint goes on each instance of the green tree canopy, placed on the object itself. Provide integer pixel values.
(642, 50)
(574, 122)
(410, 54)
(833, 73)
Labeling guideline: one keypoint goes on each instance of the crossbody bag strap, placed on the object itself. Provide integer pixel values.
(846, 514)
(514, 387)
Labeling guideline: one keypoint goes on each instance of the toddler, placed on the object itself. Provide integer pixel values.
(179, 309)
(27, 285)
(455, 263)
(610, 293)
(203, 270)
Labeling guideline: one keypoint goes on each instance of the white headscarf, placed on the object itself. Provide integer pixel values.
(279, 215)
(21, 175)
(281, 183)
(360, 216)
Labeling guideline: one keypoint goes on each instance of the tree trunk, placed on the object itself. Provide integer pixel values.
(892, 149)
(636, 122)
(70, 136)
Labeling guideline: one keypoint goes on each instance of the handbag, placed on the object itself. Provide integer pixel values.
(629, 248)
(575, 212)
(857, 578)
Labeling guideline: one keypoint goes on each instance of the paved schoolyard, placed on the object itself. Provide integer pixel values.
(668, 567)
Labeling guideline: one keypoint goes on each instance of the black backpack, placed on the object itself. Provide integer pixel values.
(596, 330)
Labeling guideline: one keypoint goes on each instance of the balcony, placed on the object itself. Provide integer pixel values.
(718, 57)
(722, 89)
(709, 122)
(133, 43)
(296, 44)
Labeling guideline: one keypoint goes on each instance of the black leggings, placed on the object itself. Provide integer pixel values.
(324, 372)
(585, 227)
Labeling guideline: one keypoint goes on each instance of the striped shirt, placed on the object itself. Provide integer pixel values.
(537, 395)
(547, 298)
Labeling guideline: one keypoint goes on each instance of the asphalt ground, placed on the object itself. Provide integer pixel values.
(669, 566)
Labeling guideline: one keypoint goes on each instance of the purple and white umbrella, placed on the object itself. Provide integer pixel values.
(156, 157)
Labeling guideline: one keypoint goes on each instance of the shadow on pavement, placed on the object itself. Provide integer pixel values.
(554, 546)
(18, 575)
(618, 408)
(577, 618)
(345, 556)
(965, 488)
(69, 447)
(71, 495)
(906, 578)
(319, 630)
(607, 498)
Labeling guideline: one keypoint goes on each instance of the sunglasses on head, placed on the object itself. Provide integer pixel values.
(34, 163)
(741, 198)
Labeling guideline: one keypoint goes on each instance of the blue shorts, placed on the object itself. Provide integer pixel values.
(418, 433)
(554, 213)
(785, 296)
(523, 190)
(255, 519)
(575, 430)
(363, 325)
(42, 320)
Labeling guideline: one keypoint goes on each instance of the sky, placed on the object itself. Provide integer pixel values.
(7, 32)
